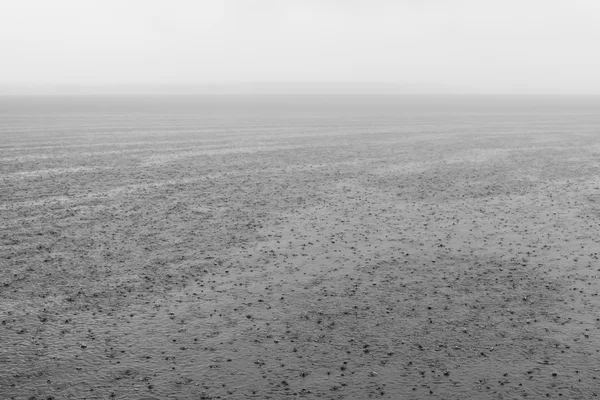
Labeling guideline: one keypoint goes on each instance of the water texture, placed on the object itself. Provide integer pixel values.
(271, 247)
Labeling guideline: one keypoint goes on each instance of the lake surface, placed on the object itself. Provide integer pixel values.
(315, 247)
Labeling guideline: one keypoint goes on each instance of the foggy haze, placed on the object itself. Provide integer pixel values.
(461, 46)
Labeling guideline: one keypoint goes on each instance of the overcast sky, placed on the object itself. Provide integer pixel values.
(502, 46)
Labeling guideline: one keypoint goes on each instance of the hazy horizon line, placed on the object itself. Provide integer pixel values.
(265, 88)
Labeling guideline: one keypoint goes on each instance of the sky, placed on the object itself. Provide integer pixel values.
(480, 46)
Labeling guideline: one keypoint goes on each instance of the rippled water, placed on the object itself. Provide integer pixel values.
(240, 247)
